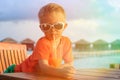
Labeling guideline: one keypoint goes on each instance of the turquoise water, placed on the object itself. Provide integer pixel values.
(96, 61)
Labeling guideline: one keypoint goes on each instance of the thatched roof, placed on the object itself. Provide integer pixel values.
(27, 40)
(116, 42)
(100, 41)
(9, 40)
(82, 41)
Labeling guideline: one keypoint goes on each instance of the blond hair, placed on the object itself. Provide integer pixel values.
(49, 8)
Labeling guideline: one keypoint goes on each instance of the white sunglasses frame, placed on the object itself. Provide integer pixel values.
(52, 26)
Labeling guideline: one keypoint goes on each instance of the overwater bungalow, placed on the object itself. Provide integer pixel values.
(29, 43)
(9, 40)
(115, 45)
(100, 45)
(82, 45)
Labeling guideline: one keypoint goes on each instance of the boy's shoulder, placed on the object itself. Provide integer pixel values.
(63, 38)
(66, 39)
(42, 40)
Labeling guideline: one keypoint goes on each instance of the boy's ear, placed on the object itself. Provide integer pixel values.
(40, 27)
(65, 25)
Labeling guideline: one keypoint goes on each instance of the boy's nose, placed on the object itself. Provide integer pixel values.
(52, 28)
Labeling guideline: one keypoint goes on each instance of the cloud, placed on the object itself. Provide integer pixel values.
(19, 9)
(27, 9)
(89, 19)
(109, 27)
(20, 30)
(114, 3)
(82, 28)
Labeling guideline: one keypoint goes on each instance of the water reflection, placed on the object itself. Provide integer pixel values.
(97, 61)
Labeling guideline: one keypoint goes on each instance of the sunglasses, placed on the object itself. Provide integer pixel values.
(58, 26)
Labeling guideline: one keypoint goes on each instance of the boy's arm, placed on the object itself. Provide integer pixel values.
(67, 64)
(66, 72)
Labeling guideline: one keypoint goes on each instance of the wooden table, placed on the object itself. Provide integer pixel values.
(82, 74)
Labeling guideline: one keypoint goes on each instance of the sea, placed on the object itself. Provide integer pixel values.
(104, 61)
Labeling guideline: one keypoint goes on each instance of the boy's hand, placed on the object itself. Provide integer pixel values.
(67, 71)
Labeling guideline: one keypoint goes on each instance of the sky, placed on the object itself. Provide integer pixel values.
(87, 19)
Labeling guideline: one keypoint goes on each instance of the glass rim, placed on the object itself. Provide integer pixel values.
(52, 26)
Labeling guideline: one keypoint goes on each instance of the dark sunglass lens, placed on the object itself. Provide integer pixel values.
(45, 27)
(58, 26)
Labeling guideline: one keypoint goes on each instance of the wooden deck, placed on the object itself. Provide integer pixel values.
(82, 74)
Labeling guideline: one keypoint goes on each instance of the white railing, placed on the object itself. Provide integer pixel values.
(80, 54)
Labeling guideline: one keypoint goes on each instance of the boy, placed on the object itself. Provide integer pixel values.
(51, 49)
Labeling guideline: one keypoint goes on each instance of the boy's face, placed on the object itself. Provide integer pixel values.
(53, 25)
